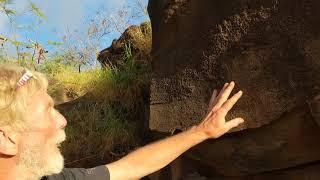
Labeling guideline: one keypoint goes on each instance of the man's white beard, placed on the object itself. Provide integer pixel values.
(32, 165)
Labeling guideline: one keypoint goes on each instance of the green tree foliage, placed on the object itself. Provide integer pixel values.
(37, 11)
(4, 9)
(36, 48)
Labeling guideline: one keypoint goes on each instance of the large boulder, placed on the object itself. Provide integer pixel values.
(271, 49)
(137, 38)
(288, 142)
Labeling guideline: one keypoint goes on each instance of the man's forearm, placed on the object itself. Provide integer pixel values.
(155, 156)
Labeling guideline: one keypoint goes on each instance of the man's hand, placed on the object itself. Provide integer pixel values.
(155, 156)
(215, 125)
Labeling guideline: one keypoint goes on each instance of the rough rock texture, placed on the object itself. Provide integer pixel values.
(270, 48)
(139, 40)
(304, 172)
(287, 142)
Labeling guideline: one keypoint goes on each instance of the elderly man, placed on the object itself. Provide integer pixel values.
(31, 130)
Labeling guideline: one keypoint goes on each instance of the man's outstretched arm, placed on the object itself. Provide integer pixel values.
(157, 155)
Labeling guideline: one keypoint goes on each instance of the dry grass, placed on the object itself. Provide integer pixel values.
(68, 84)
(104, 122)
(96, 129)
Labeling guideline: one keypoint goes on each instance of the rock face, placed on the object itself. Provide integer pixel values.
(139, 40)
(286, 142)
(271, 49)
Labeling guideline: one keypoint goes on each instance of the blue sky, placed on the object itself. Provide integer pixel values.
(73, 15)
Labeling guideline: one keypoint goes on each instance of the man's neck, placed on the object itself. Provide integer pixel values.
(8, 168)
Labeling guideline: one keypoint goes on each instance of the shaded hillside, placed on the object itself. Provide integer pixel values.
(111, 117)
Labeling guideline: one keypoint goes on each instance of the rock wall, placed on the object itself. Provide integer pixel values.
(271, 49)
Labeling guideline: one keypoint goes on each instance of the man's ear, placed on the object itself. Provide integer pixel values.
(8, 141)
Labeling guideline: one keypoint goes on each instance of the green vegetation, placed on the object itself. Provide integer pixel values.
(105, 122)
(105, 105)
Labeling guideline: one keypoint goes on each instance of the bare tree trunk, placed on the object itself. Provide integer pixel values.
(39, 59)
(34, 52)
(18, 54)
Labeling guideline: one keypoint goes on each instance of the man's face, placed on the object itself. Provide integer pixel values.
(39, 151)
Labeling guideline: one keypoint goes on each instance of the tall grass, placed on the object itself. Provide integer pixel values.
(104, 122)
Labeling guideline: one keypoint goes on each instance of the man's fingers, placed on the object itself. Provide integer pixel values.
(233, 123)
(223, 89)
(224, 95)
(231, 102)
(212, 100)
(212, 104)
